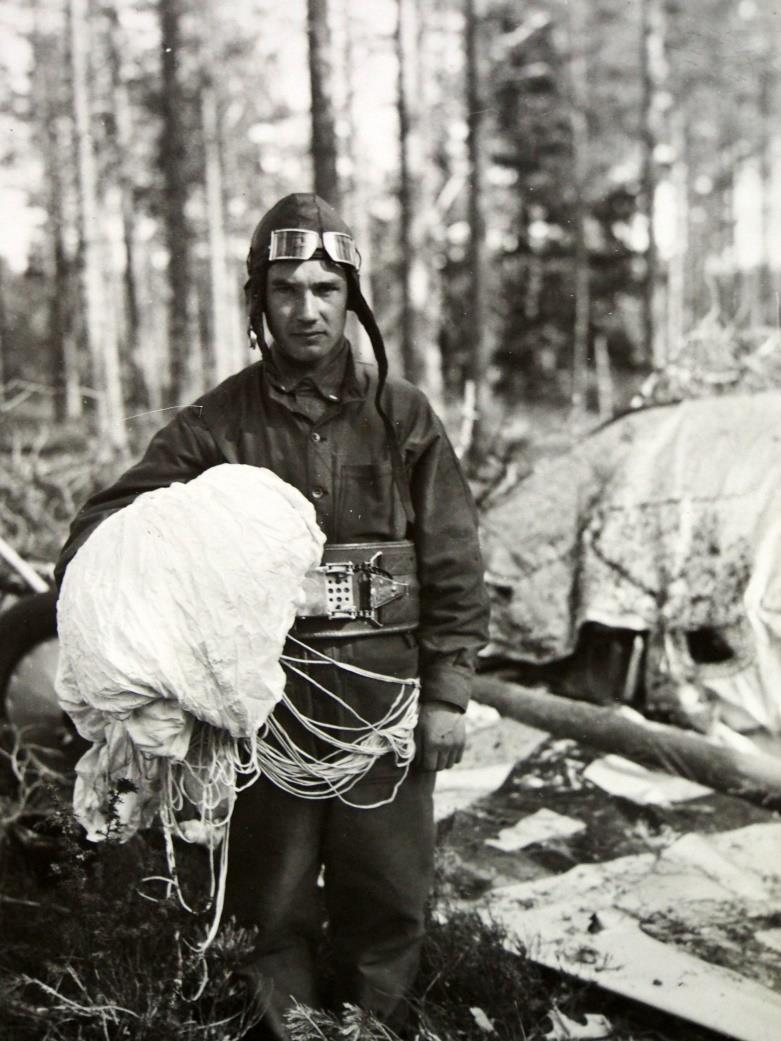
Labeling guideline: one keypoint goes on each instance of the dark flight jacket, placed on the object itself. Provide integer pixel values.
(338, 457)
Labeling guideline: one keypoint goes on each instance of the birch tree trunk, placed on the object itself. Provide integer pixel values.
(3, 332)
(68, 402)
(354, 188)
(420, 304)
(428, 228)
(122, 140)
(48, 88)
(99, 329)
(183, 345)
(475, 303)
(653, 74)
(678, 263)
(578, 107)
(766, 309)
(223, 312)
(410, 365)
(324, 150)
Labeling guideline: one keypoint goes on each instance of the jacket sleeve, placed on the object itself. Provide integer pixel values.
(180, 451)
(454, 601)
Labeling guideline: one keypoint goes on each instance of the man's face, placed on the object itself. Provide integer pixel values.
(306, 307)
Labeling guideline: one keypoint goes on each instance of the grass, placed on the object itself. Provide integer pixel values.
(87, 955)
(89, 952)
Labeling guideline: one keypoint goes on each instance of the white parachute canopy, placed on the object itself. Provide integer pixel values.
(176, 609)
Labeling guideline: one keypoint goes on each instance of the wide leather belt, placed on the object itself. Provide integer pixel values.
(361, 589)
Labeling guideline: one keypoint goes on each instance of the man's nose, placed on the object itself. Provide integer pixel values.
(307, 307)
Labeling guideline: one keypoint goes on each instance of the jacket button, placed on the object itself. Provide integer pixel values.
(316, 437)
(318, 493)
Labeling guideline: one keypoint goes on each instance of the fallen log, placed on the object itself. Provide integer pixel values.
(756, 777)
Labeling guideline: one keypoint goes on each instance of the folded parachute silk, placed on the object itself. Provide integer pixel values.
(176, 608)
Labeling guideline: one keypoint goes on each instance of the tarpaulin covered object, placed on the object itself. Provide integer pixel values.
(175, 610)
(666, 521)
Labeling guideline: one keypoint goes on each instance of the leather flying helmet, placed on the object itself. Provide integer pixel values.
(303, 226)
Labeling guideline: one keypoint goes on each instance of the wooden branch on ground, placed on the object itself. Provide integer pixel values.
(18, 399)
(756, 777)
(30, 576)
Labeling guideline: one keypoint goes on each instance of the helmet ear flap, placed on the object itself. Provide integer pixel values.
(255, 303)
(357, 302)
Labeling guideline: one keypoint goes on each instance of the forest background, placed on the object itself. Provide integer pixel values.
(548, 196)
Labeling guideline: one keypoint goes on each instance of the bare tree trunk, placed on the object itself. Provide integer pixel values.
(155, 345)
(578, 104)
(419, 305)
(184, 349)
(410, 362)
(223, 313)
(49, 86)
(652, 71)
(99, 331)
(356, 196)
(475, 325)
(68, 402)
(3, 331)
(677, 268)
(605, 393)
(324, 151)
(122, 137)
(726, 236)
(428, 230)
(767, 89)
(694, 304)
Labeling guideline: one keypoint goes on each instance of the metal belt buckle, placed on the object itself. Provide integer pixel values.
(360, 590)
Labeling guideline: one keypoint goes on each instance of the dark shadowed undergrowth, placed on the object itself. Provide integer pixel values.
(92, 952)
(87, 955)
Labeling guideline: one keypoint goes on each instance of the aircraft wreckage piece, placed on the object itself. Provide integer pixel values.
(594, 923)
(755, 777)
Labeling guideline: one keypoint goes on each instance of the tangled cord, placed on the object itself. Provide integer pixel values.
(218, 766)
(352, 755)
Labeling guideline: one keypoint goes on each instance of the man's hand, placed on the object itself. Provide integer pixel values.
(440, 736)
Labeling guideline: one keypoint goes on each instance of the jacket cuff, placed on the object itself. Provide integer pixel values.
(444, 681)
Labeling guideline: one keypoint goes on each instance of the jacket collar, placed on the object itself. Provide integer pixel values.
(333, 377)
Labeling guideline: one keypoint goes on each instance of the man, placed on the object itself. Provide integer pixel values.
(375, 462)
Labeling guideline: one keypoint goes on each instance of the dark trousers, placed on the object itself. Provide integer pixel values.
(377, 871)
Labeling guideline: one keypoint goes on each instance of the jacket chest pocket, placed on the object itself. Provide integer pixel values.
(369, 506)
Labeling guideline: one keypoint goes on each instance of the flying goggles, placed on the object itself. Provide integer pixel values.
(303, 243)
